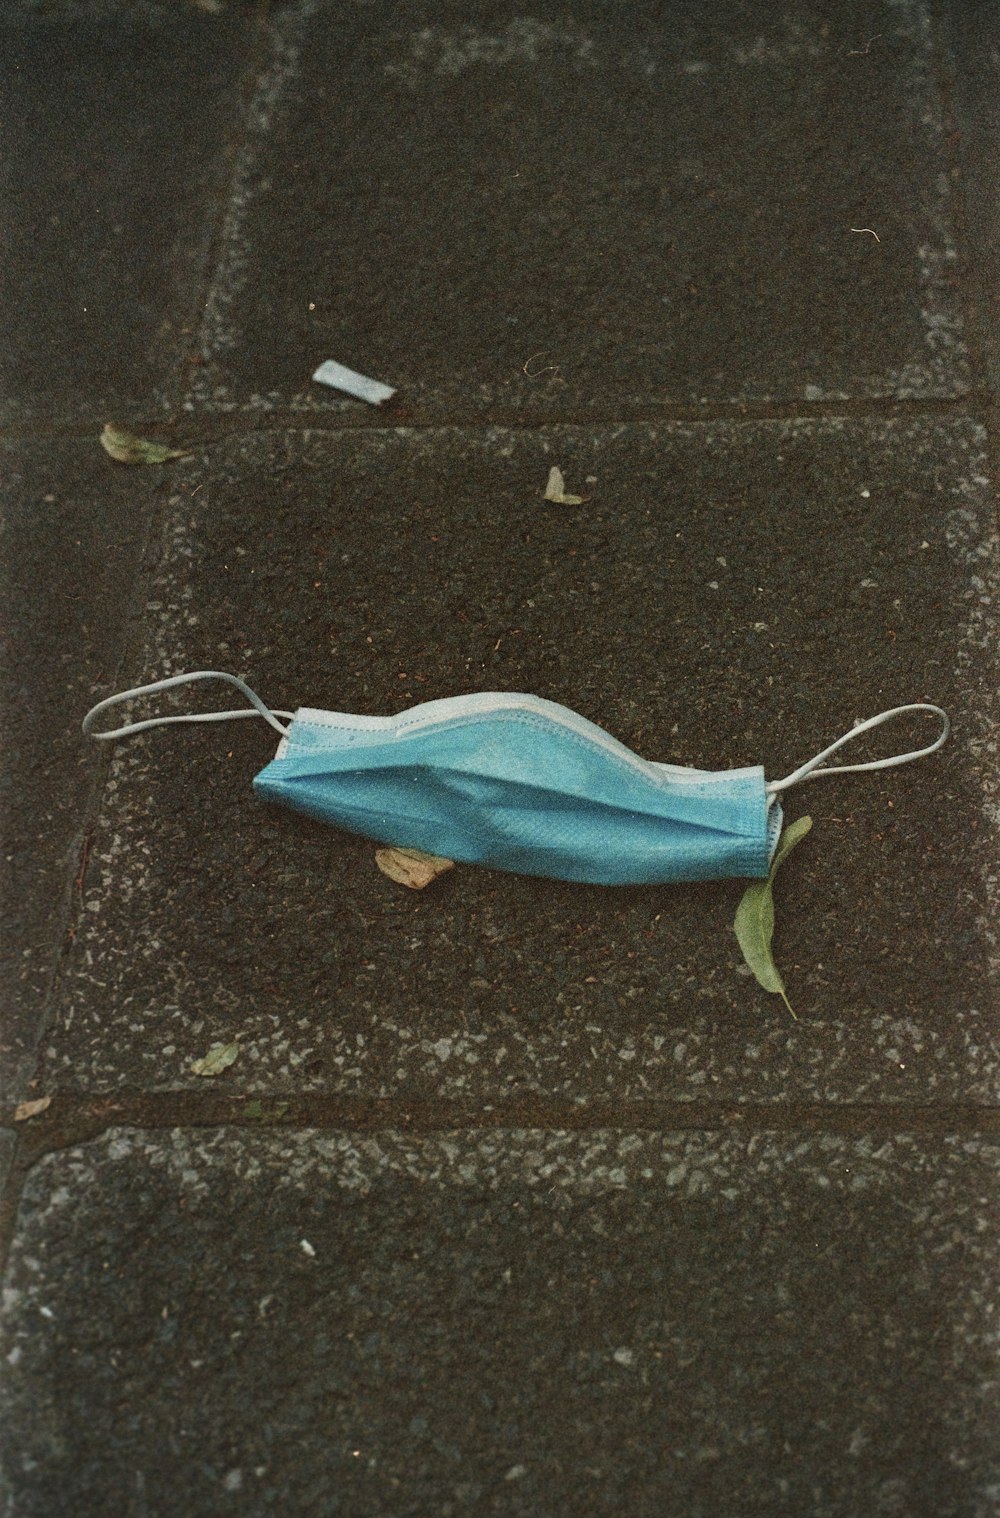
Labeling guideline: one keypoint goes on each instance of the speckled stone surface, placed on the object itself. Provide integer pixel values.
(511, 1322)
(728, 594)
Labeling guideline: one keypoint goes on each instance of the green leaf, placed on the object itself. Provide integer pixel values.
(127, 449)
(218, 1058)
(754, 924)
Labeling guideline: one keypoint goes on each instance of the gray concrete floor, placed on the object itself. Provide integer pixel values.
(521, 1196)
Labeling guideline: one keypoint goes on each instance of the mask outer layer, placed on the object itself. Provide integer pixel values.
(518, 783)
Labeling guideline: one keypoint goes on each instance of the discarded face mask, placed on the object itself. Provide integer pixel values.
(518, 783)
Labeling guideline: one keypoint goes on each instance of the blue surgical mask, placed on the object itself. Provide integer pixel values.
(518, 783)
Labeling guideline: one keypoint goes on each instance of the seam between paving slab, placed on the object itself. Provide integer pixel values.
(206, 429)
(72, 1120)
(71, 1113)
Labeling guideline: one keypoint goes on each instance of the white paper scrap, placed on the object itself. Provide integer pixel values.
(359, 385)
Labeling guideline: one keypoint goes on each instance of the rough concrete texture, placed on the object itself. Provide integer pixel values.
(512, 1322)
(972, 77)
(727, 595)
(520, 1196)
(590, 209)
(114, 120)
(73, 527)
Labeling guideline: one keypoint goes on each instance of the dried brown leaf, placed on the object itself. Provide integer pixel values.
(411, 867)
(31, 1109)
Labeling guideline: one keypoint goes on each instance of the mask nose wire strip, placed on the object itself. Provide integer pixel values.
(814, 768)
(257, 705)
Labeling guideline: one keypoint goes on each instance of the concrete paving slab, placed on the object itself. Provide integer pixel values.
(516, 1322)
(73, 528)
(116, 121)
(554, 214)
(728, 594)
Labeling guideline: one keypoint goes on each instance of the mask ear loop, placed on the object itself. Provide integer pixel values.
(257, 705)
(814, 768)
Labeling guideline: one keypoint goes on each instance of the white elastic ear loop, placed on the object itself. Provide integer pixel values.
(259, 709)
(814, 768)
